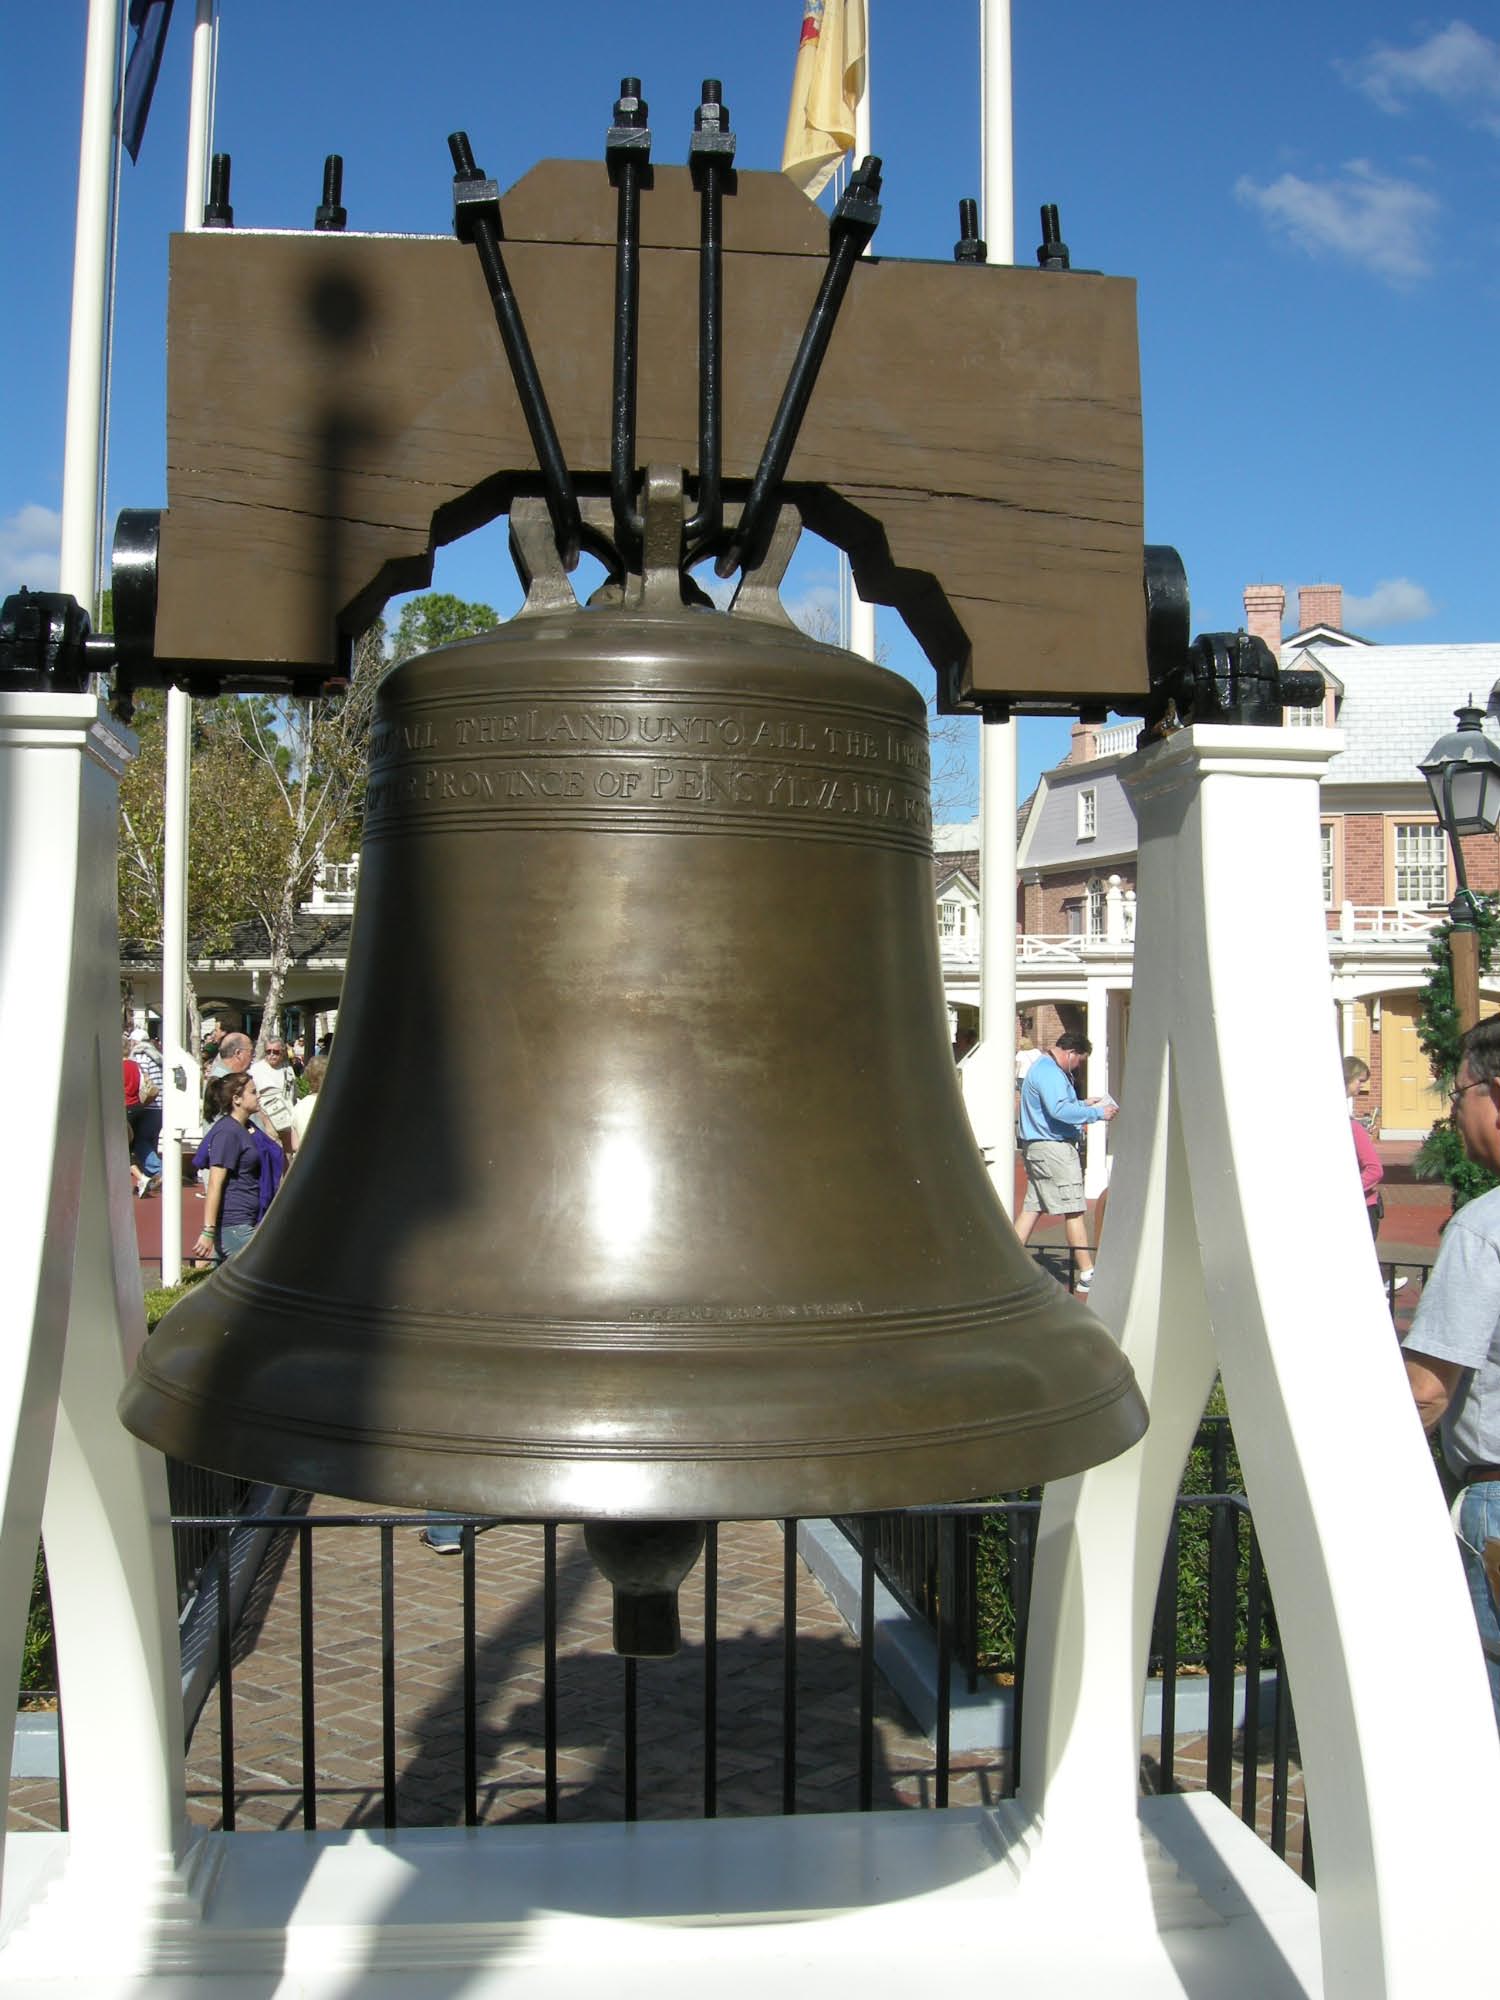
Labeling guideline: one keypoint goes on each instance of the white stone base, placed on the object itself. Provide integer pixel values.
(872, 1904)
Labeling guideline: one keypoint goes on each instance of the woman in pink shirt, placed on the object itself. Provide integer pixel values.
(1371, 1172)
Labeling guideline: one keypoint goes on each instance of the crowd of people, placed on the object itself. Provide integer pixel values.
(256, 1113)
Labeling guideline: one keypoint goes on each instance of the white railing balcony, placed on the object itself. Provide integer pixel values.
(1060, 948)
(334, 888)
(1113, 741)
(1401, 921)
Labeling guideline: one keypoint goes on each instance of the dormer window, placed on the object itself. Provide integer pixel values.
(953, 918)
(1307, 718)
(958, 912)
(1088, 812)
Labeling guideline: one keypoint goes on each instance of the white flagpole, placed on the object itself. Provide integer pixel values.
(997, 740)
(180, 1104)
(78, 564)
(861, 615)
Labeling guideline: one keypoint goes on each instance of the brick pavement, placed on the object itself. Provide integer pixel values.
(429, 1786)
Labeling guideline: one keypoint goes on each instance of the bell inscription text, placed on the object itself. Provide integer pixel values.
(756, 767)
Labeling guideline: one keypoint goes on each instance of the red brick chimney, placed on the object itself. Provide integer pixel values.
(1320, 604)
(1081, 744)
(1264, 605)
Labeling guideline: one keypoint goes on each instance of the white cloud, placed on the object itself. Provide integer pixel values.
(816, 610)
(1359, 214)
(1457, 65)
(1395, 601)
(29, 543)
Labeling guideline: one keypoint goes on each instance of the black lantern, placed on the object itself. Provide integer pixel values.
(1462, 770)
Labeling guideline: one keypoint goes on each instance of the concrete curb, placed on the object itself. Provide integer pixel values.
(982, 1721)
(199, 1624)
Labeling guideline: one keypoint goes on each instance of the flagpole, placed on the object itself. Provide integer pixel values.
(78, 561)
(997, 740)
(180, 1104)
(861, 615)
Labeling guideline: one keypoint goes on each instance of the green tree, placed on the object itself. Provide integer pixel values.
(277, 787)
(278, 781)
(437, 618)
(304, 765)
(1442, 1156)
(231, 809)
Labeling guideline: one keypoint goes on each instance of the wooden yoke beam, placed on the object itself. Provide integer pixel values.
(338, 405)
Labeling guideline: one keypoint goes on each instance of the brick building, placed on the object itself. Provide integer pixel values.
(1387, 870)
(1387, 875)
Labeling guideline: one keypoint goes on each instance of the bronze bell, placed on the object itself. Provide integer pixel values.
(642, 1188)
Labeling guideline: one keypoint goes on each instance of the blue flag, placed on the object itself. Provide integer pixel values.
(150, 19)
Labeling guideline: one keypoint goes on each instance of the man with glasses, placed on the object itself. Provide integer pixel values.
(1453, 1349)
(274, 1081)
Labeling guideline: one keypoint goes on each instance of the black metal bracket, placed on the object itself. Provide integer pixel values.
(711, 162)
(44, 643)
(476, 220)
(1226, 677)
(627, 154)
(853, 223)
(971, 247)
(217, 214)
(331, 214)
(1052, 252)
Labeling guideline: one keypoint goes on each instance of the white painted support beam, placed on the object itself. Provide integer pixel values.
(1202, 1269)
(70, 1303)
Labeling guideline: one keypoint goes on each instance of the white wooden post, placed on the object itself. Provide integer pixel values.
(70, 1303)
(1237, 1241)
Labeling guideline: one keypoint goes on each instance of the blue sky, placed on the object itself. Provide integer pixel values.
(1307, 197)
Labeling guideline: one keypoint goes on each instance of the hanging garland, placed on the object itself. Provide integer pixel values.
(1442, 1157)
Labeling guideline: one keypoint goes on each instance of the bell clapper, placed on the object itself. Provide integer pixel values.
(644, 1563)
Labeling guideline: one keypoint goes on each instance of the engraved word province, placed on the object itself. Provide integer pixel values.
(730, 767)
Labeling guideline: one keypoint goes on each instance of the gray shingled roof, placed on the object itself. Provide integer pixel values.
(1398, 700)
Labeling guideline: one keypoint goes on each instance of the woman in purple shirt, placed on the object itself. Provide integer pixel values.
(231, 1206)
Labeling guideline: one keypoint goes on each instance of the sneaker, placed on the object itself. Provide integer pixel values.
(1083, 1283)
(442, 1548)
(1397, 1283)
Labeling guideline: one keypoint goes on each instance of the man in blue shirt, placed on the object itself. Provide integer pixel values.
(1052, 1116)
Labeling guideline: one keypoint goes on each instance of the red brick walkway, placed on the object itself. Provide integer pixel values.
(590, 1703)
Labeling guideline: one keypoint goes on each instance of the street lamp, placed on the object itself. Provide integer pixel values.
(1462, 770)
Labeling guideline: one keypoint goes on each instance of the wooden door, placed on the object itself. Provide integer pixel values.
(1410, 1103)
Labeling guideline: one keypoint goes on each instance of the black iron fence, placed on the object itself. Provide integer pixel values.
(1262, 1763)
(195, 1493)
(1206, 1569)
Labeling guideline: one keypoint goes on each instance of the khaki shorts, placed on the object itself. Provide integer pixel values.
(1054, 1177)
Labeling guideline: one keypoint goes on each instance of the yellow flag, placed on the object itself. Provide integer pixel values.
(827, 86)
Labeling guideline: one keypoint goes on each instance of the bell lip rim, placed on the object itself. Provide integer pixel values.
(779, 1491)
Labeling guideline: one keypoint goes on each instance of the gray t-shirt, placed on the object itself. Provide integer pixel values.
(1458, 1319)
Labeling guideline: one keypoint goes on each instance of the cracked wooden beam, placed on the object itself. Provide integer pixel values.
(339, 404)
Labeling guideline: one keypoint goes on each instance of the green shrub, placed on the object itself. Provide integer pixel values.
(995, 1561)
(160, 1301)
(1442, 1156)
(39, 1654)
